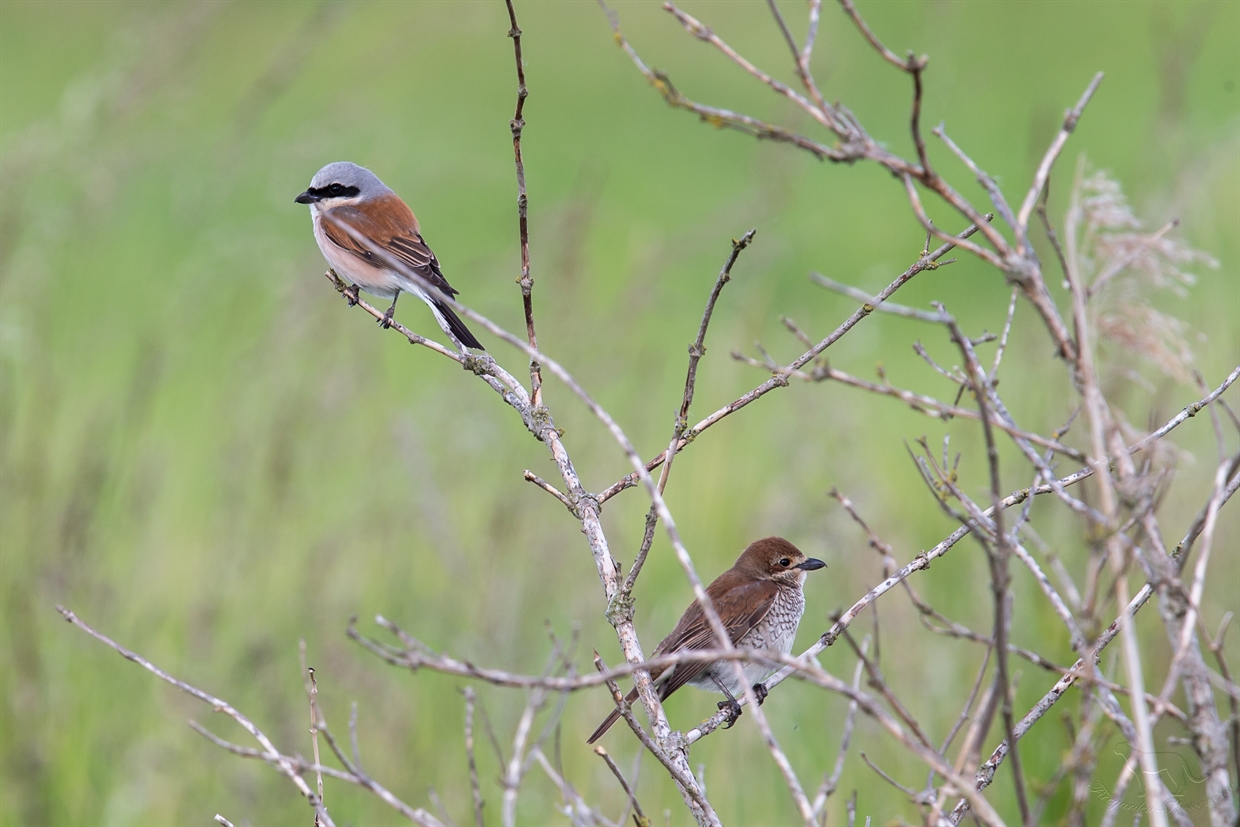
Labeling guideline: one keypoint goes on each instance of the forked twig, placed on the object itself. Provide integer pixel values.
(269, 753)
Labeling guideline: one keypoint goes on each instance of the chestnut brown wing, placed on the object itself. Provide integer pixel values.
(741, 608)
(401, 243)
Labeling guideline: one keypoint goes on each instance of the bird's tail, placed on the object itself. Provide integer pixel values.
(611, 719)
(456, 328)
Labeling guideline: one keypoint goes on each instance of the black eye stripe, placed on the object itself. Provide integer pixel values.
(334, 191)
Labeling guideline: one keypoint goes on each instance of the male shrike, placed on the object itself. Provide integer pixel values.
(371, 239)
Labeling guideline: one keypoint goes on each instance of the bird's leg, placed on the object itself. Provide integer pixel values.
(761, 691)
(385, 321)
(733, 708)
(352, 294)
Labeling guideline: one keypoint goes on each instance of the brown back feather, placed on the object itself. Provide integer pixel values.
(741, 604)
(396, 233)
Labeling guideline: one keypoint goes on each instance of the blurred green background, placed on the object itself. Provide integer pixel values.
(208, 457)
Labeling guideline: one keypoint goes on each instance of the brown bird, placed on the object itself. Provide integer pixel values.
(760, 603)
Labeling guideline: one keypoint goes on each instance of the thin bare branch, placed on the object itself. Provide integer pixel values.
(530, 476)
(351, 775)
(992, 189)
(695, 27)
(887, 55)
(517, 125)
(998, 557)
(675, 769)
(885, 307)
(312, 691)
(474, 788)
(718, 117)
(270, 753)
(830, 782)
(615, 770)
(800, 58)
(985, 773)
(1071, 117)
(780, 380)
(696, 351)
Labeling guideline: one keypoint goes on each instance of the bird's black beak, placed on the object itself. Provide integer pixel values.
(811, 564)
(306, 198)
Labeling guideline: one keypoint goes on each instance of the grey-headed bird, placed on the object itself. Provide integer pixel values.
(367, 234)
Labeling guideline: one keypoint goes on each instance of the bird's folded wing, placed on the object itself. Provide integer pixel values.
(741, 608)
(402, 246)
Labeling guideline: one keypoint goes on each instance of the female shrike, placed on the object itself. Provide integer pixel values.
(371, 238)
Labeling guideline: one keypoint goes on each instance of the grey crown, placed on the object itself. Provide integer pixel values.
(350, 175)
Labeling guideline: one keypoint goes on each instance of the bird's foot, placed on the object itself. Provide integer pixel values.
(760, 690)
(385, 321)
(351, 294)
(733, 709)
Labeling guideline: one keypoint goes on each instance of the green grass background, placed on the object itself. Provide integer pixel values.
(207, 456)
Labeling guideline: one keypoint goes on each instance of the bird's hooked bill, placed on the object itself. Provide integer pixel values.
(812, 563)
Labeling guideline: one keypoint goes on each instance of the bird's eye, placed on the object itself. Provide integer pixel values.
(335, 189)
(785, 562)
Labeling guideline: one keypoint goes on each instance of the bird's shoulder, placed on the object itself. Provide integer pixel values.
(379, 218)
(740, 603)
(394, 230)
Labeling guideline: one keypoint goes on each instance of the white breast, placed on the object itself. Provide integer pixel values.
(777, 631)
(377, 281)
